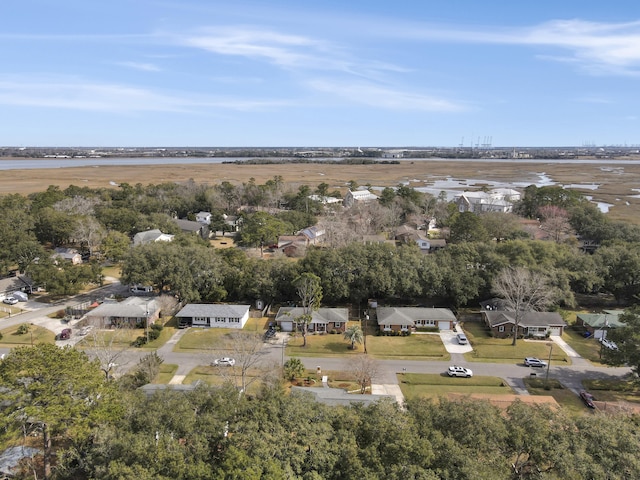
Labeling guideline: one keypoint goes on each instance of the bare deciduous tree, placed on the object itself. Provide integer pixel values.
(523, 291)
(246, 349)
(365, 369)
(555, 222)
(108, 347)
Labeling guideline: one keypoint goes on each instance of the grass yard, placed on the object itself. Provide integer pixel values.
(113, 271)
(499, 350)
(565, 397)
(124, 337)
(35, 335)
(203, 339)
(8, 310)
(613, 390)
(214, 376)
(257, 324)
(417, 385)
(588, 348)
(412, 347)
(167, 371)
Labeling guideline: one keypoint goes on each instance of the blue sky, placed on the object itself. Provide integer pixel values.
(324, 73)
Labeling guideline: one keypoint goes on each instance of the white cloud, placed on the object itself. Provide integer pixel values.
(146, 67)
(77, 95)
(385, 97)
(598, 47)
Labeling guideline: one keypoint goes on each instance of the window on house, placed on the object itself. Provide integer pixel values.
(501, 328)
(338, 324)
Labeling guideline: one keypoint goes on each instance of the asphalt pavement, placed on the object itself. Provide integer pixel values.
(273, 354)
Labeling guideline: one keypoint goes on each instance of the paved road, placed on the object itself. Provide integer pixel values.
(273, 354)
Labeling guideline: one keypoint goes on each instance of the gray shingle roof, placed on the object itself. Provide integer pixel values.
(208, 310)
(529, 319)
(322, 315)
(408, 315)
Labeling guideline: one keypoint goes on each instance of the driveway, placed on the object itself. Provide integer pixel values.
(451, 342)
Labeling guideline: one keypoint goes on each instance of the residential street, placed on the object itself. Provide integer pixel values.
(273, 355)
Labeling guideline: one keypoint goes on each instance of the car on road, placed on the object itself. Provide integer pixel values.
(10, 300)
(588, 399)
(224, 362)
(462, 339)
(65, 334)
(534, 362)
(455, 371)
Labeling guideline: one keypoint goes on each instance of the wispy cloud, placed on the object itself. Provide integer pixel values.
(77, 95)
(597, 47)
(145, 67)
(385, 97)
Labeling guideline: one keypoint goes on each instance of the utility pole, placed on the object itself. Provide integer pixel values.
(546, 380)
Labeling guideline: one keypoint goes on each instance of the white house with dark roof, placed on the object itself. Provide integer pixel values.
(150, 236)
(214, 315)
(405, 319)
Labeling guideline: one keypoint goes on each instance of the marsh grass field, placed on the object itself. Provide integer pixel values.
(617, 184)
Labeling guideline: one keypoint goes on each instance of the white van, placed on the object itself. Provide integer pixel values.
(21, 296)
(141, 289)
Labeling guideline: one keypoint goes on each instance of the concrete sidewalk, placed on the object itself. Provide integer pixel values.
(389, 389)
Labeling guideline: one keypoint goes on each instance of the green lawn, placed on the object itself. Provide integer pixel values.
(439, 385)
(9, 310)
(565, 397)
(201, 339)
(412, 347)
(257, 324)
(499, 350)
(613, 390)
(167, 371)
(214, 376)
(35, 335)
(588, 348)
(124, 337)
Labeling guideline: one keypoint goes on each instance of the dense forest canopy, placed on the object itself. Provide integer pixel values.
(101, 223)
(102, 428)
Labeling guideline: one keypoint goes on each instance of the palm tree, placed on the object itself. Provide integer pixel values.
(354, 335)
(293, 368)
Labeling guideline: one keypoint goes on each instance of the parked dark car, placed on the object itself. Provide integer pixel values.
(65, 334)
(588, 399)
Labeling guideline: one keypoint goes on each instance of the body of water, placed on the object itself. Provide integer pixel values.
(38, 163)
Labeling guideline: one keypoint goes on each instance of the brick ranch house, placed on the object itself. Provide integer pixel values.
(323, 320)
(404, 319)
(532, 324)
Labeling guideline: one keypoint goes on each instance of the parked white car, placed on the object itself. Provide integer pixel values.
(534, 362)
(455, 371)
(609, 344)
(462, 339)
(10, 300)
(224, 362)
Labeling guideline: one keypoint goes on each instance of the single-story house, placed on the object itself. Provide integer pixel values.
(197, 228)
(532, 324)
(130, 312)
(598, 323)
(402, 319)
(215, 315)
(358, 196)
(323, 320)
(313, 235)
(17, 283)
(68, 255)
(150, 236)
